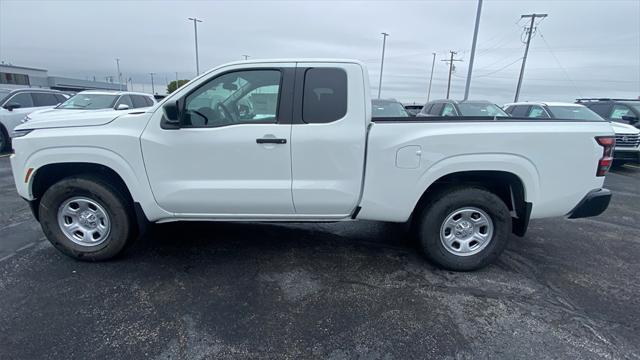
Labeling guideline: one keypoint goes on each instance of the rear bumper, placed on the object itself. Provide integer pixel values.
(593, 204)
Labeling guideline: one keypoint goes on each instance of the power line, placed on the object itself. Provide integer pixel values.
(451, 68)
(529, 32)
(560, 65)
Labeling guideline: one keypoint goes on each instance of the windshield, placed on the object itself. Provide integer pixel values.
(480, 109)
(89, 102)
(573, 113)
(388, 109)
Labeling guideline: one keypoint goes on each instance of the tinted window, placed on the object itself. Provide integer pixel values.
(537, 112)
(23, 99)
(426, 108)
(520, 110)
(232, 98)
(126, 100)
(44, 99)
(448, 110)
(600, 109)
(325, 95)
(139, 101)
(148, 100)
(435, 109)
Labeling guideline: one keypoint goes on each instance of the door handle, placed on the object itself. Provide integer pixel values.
(271, 141)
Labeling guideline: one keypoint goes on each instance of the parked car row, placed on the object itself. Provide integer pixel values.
(22, 105)
(622, 114)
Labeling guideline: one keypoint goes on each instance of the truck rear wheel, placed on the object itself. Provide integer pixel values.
(87, 218)
(464, 229)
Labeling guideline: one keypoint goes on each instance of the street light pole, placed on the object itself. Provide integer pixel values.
(473, 51)
(119, 74)
(153, 89)
(384, 43)
(433, 64)
(195, 31)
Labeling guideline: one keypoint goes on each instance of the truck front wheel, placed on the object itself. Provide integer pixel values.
(464, 229)
(87, 218)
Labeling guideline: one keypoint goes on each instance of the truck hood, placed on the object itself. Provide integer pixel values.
(620, 128)
(56, 118)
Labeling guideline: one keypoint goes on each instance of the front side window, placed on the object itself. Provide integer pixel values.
(448, 110)
(619, 111)
(126, 100)
(23, 99)
(480, 109)
(324, 98)
(537, 112)
(249, 96)
(90, 102)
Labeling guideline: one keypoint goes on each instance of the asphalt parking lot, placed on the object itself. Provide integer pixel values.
(569, 289)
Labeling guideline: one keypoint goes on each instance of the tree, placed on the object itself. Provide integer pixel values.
(171, 87)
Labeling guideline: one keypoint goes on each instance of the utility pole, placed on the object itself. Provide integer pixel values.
(433, 64)
(195, 31)
(451, 68)
(119, 73)
(473, 51)
(153, 89)
(177, 86)
(384, 43)
(529, 31)
(245, 56)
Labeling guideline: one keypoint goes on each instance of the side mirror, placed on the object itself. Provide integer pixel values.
(171, 117)
(630, 119)
(122, 107)
(11, 106)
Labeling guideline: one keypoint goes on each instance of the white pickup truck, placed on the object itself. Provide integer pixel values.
(294, 140)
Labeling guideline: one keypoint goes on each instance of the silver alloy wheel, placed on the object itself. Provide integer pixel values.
(466, 231)
(84, 221)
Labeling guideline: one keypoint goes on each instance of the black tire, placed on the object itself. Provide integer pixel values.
(4, 139)
(434, 213)
(110, 197)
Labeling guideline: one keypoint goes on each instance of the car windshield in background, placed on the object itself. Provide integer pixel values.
(89, 102)
(480, 109)
(387, 109)
(3, 95)
(573, 113)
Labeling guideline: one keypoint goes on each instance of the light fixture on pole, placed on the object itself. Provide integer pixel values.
(384, 43)
(195, 31)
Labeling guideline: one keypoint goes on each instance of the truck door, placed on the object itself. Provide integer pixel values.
(231, 156)
(328, 138)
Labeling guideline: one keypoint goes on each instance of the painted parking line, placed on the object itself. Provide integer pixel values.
(633, 166)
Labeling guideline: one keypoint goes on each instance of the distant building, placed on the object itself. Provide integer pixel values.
(17, 77)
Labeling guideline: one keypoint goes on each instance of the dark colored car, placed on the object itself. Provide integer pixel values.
(626, 111)
(387, 108)
(413, 109)
(461, 108)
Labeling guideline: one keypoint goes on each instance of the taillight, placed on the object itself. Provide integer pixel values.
(608, 143)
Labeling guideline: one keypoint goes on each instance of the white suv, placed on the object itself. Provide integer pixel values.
(15, 104)
(627, 137)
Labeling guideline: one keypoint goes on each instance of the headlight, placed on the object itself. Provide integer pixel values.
(26, 118)
(20, 133)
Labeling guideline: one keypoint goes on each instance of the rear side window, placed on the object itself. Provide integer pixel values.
(60, 98)
(139, 101)
(436, 109)
(600, 109)
(44, 99)
(148, 100)
(324, 98)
